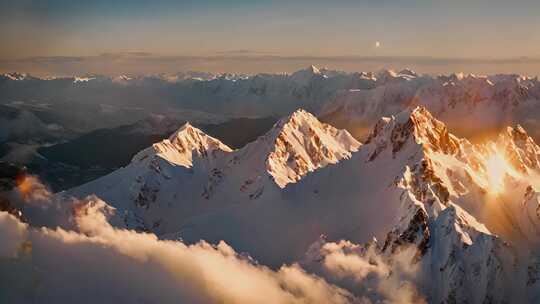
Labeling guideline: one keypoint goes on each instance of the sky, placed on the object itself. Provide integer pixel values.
(495, 31)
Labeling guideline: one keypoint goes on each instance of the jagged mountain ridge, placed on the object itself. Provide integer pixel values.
(459, 100)
(192, 167)
(458, 259)
(454, 249)
(412, 184)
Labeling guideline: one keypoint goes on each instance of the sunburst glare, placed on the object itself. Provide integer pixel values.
(496, 169)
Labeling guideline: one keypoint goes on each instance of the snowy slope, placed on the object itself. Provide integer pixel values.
(295, 146)
(360, 189)
(412, 183)
(192, 173)
(467, 223)
(159, 175)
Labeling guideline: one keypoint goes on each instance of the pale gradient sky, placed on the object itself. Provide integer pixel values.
(479, 29)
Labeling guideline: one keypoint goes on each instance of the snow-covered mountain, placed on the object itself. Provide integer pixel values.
(458, 222)
(354, 101)
(240, 95)
(471, 105)
(191, 173)
(467, 211)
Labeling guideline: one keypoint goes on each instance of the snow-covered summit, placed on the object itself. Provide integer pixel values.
(182, 144)
(299, 144)
(416, 125)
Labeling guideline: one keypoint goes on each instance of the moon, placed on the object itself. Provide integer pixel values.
(377, 44)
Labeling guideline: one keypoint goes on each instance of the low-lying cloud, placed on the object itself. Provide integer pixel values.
(85, 259)
(103, 264)
(365, 272)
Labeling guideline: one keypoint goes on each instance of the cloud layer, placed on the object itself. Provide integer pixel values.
(90, 261)
(103, 264)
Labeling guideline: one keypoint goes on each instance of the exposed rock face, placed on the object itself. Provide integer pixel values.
(300, 144)
(418, 126)
(181, 145)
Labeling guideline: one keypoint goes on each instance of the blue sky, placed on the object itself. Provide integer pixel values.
(442, 29)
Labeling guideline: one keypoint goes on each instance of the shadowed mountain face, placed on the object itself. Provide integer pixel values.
(107, 148)
(113, 148)
(99, 152)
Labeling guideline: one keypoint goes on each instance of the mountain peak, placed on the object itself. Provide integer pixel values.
(182, 144)
(416, 125)
(296, 117)
(520, 149)
(305, 75)
(313, 69)
(300, 143)
(296, 145)
(185, 130)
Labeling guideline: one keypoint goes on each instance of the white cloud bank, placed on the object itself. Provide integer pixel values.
(102, 264)
(90, 261)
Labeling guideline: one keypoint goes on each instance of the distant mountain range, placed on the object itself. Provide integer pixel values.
(354, 101)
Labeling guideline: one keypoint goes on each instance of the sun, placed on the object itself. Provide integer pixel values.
(496, 169)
